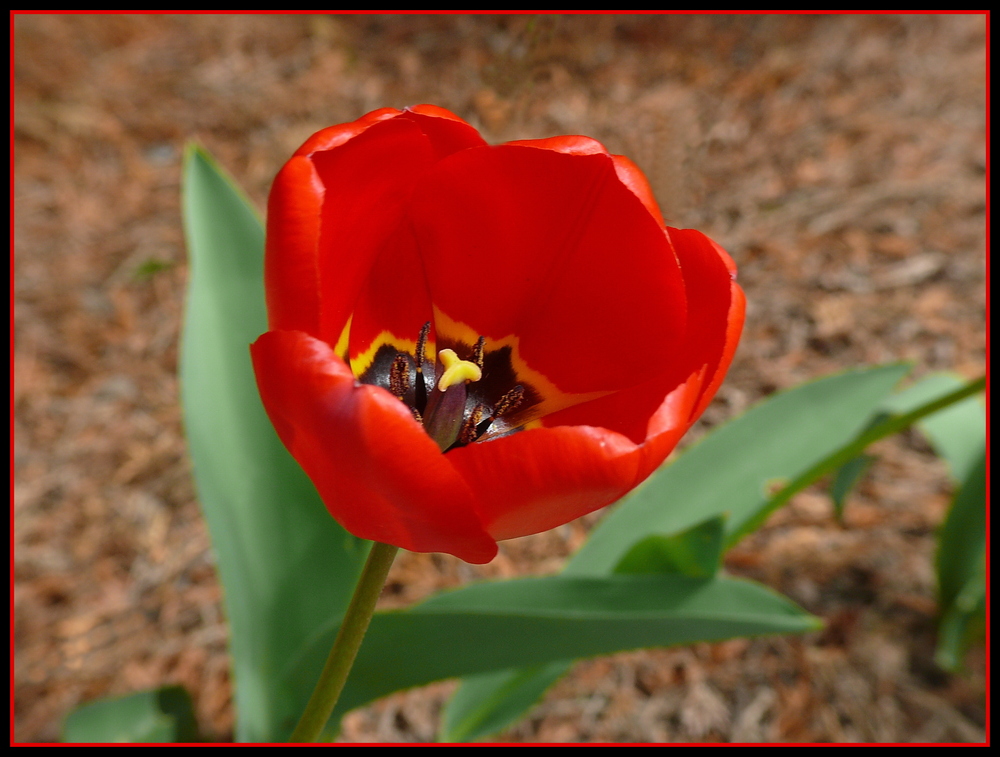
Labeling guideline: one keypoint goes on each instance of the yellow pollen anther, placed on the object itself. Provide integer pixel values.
(456, 371)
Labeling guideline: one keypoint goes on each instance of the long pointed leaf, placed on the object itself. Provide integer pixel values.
(494, 626)
(961, 566)
(492, 701)
(286, 567)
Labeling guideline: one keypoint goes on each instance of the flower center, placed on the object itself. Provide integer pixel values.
(449, 395)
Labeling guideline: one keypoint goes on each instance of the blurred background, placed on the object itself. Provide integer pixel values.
(840, 160)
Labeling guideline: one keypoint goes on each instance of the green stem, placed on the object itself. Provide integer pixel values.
(345, 647)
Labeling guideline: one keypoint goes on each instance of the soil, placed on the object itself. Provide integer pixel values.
(840, 159)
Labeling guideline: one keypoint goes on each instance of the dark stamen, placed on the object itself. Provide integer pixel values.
(470, 430)
(420, 391)
(421, 346)
(399, 376)
(477, 352)
(509, 401)
(483, 426)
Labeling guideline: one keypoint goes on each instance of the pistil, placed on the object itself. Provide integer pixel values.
(445, 415)
(456, 371)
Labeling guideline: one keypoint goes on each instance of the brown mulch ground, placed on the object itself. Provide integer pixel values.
(840, 159)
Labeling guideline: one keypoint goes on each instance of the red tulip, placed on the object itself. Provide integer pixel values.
(585, 336)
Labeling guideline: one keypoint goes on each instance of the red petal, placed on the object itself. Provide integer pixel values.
(447, 132)
(393, 298)
(293, 229)
(714, 319)
(668, 425)
(376, 470)
(702, 239)
(554, 249)
(368, 182)
(290, 272)
(716, 306)
(626, 412)
(426, 109)
(628, 172)
(734, 327)
(334, 136)
(535, 480)
(633, 178)
(570, 144)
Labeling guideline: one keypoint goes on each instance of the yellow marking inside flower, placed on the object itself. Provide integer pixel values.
(456, 370)
(342, 341)
(363, 360)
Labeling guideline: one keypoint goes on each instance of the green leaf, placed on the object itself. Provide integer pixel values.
(733, 470)
(962, 538)
(958, 432)
(846, 479)
(286, 567)
(163, 716)
(961, 565)
(962, 625)
(493, 701)
(497, 626)
(490, 702)
(695, 552)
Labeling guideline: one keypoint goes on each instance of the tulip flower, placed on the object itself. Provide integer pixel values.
(468, 343)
